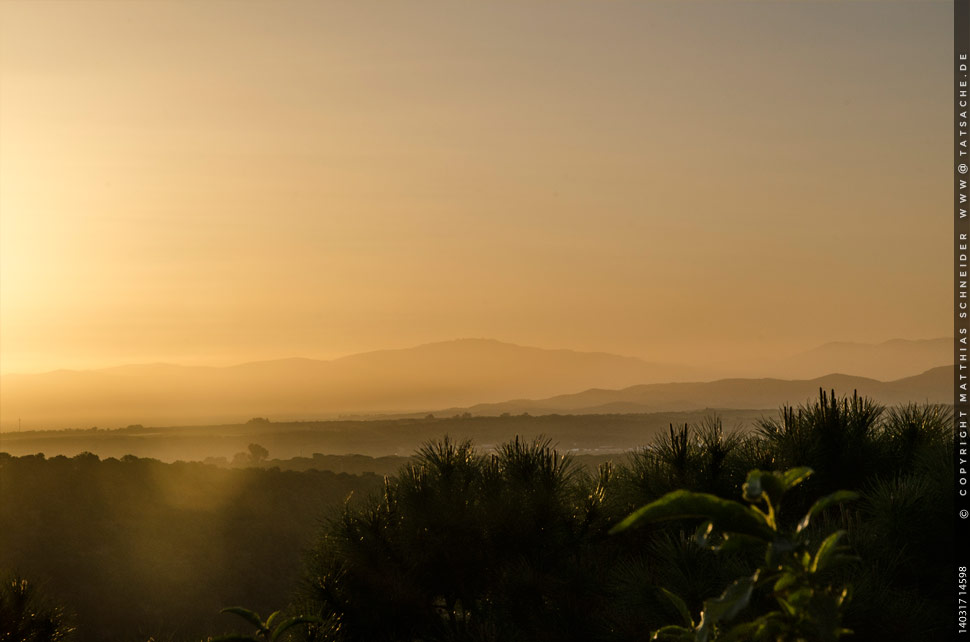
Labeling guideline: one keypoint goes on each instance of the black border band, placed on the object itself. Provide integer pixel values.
(961, 307)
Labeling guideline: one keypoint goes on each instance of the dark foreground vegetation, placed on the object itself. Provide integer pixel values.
(134, 548)
(513, 543)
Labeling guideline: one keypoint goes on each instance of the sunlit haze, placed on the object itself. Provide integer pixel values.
(215, 183)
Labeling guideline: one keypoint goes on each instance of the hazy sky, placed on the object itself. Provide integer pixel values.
(215, 182)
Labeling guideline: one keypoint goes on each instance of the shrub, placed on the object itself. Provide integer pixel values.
(793, 576)
(26, 617)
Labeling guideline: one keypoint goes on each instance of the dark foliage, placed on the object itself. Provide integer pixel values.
(27, 617)
(140, 549)
(463, 545)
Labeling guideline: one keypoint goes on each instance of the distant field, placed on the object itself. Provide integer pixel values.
(589, 434)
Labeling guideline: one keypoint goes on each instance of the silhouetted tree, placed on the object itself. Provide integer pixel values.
(257, 453)
(462, 545)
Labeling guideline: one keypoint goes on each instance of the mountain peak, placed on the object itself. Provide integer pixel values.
(888, 360)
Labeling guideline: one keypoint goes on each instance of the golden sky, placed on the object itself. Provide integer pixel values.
(218, 182)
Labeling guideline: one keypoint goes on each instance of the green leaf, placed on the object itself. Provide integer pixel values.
(826, 552)
(761, 485)
(250, 616)
(272, 618)
(681, 607)
(771, 486)
(794, 476)
(787, 606)
(801, 598)
(837, 497)
(753, 489)
(734, 599)
(786, 580)
(673, 633)
(806, 560)
(235, 638)
(727, 516)
(736, 542)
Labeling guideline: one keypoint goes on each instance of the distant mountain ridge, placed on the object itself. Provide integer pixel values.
(480, 375)
(886, 361)
(933, 386)
(459, 372)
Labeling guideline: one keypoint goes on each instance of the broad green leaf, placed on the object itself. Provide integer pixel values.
(727, 516)
(234, 638)
(737, 541)
(801, 598)
(771, 486)
(786, 580)
(681, 607)
(826, 552)
(806, 560)
(794, 476)
(837, 497)
(246, 614)
(673, 633)
(752, 488)
(721, 609)
(761, 484)
(786, 605)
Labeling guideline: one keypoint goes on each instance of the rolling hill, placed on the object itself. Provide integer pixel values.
(884, 361)
(430, 376)
(934, 386)
(466, 375)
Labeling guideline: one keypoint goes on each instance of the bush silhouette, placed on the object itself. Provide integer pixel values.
(27, 617)
(514, 544)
